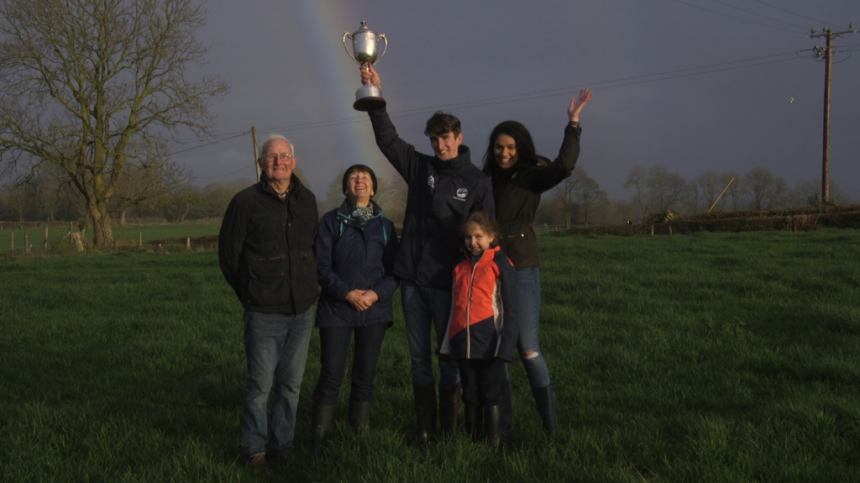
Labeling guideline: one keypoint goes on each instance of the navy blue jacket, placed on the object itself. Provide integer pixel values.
(351, 257)
(441, 193)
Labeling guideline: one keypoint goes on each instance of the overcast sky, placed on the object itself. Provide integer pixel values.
(695, 85)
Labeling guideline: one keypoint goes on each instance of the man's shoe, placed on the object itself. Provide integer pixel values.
(259, 462)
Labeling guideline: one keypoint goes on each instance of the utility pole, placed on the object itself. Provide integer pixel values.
(827, 53)
(256, 154)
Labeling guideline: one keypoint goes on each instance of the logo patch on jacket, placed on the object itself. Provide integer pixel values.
(431, 182)
(461, 194)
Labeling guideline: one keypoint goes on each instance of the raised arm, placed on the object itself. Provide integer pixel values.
(402, 155)
(560, 169)
(576, 105)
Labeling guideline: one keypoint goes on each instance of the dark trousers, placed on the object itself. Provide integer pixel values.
(334, 345)
(482, 380)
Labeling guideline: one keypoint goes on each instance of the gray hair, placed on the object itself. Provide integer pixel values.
(273, 137)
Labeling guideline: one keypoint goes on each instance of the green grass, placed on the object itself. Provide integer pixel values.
(59, 243)
(711, 357)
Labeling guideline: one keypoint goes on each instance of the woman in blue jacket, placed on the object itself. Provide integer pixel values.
(355, 251)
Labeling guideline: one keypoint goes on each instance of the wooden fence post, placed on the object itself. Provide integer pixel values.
(188, 242)
(45, 248)
(652, 230)
(140, 239)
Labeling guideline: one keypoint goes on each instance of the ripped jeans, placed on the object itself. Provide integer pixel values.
(535, 364)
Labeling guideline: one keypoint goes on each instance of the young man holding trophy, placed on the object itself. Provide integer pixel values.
(443, 188)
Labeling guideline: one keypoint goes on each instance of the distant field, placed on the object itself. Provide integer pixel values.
(129, 234)
(713, 357)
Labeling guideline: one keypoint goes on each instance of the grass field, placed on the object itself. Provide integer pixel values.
(126, 235)
(712, 357)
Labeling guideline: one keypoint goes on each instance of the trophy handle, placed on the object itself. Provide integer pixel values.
(347, 35)
(384, 48)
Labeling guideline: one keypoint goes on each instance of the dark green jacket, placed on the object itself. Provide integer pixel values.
(517, 193)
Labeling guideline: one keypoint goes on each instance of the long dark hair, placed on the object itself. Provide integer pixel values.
(525, 147)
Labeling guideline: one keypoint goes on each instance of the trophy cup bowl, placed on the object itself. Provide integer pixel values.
(364, 51)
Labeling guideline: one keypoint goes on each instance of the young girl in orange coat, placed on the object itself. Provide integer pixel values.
(483, 326)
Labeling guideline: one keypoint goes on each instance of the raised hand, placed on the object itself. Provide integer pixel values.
(369, 75)
(576, 105)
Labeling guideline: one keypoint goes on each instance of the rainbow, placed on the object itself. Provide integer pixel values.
(323, 26)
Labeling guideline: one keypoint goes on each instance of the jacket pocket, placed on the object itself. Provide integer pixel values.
(267, 282)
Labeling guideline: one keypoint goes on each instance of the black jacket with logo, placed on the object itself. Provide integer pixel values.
(517, 194)
(265, 248)
(441, 193)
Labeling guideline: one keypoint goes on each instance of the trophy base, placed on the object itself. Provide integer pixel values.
(369, 104)
(368, 98)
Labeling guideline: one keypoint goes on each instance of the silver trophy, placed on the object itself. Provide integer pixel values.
(364, 51)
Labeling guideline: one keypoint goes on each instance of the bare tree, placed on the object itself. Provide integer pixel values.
(81, 81)
(334, 193)
(656, 189)
(218, 195)
(765, 189)
(735, 192)
(710, 187)
(666, 189)
(391, 196)
(636, 182)
(16, 198)
(692, 196)
(808, 193)
(150, 178)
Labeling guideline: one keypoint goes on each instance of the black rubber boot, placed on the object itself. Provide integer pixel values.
(449, 408)
(359, 415)
(492, 416)
(474, 422)
(425, 412)
(320, 427)
(545, 400)
(506, 423)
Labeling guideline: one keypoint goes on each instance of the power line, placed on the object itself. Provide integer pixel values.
(793, 13)
(732, 16)
(222, 175)
(210, 143)
(608, 84)
(549, 92)
(758, 14)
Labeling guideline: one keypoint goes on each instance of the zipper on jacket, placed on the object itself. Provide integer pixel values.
(468, 310)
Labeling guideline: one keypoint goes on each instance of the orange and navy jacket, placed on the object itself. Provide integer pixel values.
(484, 320)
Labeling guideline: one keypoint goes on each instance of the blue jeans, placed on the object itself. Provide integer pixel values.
(423, 308)
(275, 345)
(334, 346)
(529, 281)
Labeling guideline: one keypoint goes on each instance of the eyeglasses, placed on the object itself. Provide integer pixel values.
(271, 158)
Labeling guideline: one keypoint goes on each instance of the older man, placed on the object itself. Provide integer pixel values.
(265, 250)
